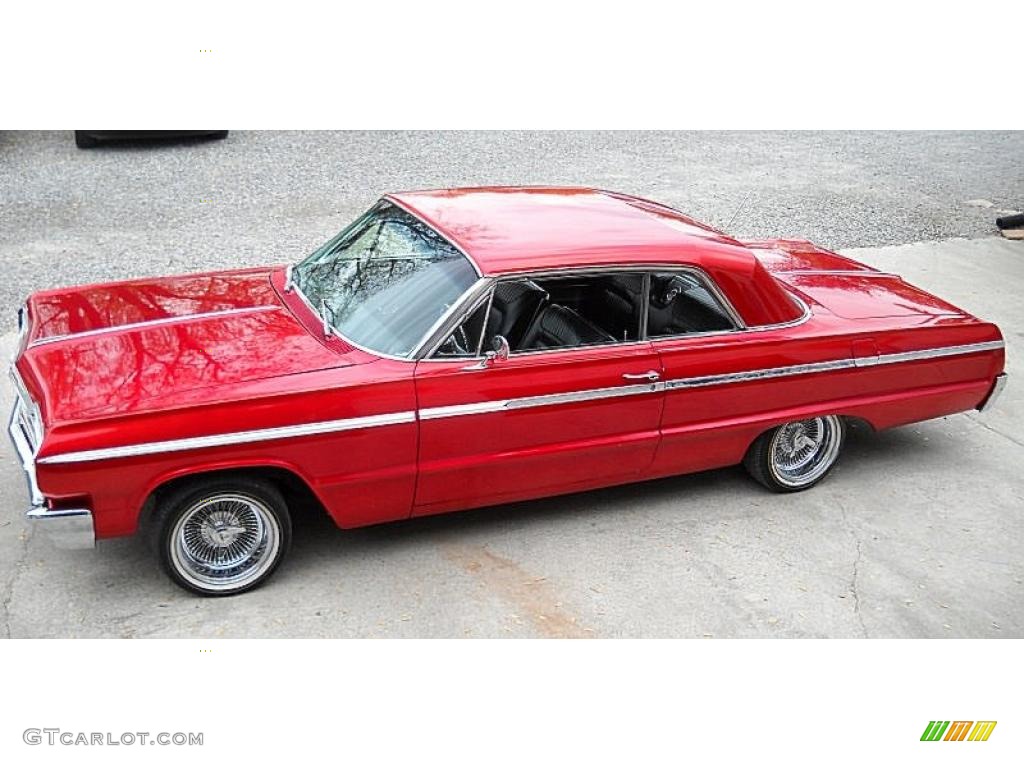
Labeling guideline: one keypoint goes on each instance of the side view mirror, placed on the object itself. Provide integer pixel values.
(499, 351)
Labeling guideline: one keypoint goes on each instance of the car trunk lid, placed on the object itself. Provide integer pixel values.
(846, 287)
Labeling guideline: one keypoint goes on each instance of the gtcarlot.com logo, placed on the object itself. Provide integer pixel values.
(57, 737)
(958, 730)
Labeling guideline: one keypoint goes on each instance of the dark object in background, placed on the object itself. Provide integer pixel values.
(1014, 221)
(86, 139)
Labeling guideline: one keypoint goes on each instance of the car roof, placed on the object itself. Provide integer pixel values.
(509, 230)
(515, 229)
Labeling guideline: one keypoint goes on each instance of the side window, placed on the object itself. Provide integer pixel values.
(566, 312)
(465, 340)
(680, 303)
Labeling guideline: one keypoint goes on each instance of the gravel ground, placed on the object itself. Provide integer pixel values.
(138, 208)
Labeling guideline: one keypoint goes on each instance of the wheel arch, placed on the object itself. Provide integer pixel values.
(286, 478)
(856, 422)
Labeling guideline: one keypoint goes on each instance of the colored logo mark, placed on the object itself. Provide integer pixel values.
(958, 730)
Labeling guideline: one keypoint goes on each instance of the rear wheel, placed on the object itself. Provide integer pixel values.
(797, 454)
(222, 537)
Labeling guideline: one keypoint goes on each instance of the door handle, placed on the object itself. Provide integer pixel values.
(649, 376)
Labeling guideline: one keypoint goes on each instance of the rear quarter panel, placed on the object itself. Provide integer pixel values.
(707, 425)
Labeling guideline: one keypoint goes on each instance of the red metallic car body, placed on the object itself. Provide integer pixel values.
(143, 382)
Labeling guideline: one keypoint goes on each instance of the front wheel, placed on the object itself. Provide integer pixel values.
(222, 537)
(796, 455)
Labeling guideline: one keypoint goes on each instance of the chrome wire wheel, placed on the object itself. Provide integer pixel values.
(801, 452)
(224, 542)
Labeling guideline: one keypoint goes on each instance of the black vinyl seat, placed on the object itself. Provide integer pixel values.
(557, 326)
(680, 304)
(513, 310)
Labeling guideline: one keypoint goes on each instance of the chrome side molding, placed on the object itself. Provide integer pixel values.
(536, 401)
(173, 320)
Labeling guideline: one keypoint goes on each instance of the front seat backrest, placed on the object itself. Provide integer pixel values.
(559, 326)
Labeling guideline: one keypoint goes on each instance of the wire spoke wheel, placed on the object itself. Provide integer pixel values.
(801, 452)
(225, 542)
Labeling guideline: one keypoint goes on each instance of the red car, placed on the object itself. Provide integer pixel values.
(461, 348)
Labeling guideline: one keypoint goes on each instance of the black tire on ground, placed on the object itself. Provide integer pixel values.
(84, 141)
(760, 464)
(175, 521)
(219, 135)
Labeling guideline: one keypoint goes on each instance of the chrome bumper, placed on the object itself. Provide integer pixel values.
(19, 430)
(993, 395)
(67, 528)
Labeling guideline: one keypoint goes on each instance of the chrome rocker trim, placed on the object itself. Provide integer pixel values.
(67, 528)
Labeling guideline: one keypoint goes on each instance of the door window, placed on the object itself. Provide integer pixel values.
(567, 312)
(680, 303)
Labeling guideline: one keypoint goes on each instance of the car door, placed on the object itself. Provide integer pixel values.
(575, 404)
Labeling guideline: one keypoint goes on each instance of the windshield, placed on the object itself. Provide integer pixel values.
(385, 280)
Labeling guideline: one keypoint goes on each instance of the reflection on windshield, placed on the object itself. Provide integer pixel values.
(385, 280)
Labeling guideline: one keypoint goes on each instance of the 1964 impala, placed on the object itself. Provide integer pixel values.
(460, 348)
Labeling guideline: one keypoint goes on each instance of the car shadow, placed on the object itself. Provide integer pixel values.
(316, 539)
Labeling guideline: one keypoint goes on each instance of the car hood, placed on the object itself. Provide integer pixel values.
(143, 345)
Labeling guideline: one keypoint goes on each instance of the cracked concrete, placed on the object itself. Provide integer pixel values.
(853, 587)
(855, 591)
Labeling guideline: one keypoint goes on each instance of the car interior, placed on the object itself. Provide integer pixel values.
(586, 310)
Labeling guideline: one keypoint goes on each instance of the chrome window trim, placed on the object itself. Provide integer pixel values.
(805, 310)
(554, 274)
(416, 351)
(838, 273)
(473, 305)
(639, 267)
(443, 326)
(412, 356)
(483, 330)
(152, 323)
(805, 315)
(442, 235)
(493, 406)
(712, 288)
(234, 438)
